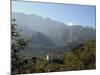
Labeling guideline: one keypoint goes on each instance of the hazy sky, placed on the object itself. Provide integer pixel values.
(69, 14)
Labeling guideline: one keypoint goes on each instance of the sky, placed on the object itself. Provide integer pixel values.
(84, 15)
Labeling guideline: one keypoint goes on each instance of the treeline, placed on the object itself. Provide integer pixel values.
(82, 57)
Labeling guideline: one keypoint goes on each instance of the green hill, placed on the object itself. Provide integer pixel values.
(82, 57)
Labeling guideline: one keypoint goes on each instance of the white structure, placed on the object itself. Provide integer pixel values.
(50, 56)
(47, 57)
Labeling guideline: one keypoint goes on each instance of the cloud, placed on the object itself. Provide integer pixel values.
(70, 23)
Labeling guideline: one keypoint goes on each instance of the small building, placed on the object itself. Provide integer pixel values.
(52, 55)
(47, 57)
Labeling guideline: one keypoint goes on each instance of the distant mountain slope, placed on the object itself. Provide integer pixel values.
(43, 40)
(78, 34)
(58, 32)
(50, 34)
(51, 28)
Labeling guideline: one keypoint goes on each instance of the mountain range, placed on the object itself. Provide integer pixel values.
(50, 34)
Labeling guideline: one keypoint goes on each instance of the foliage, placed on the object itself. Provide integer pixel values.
(17, 44)
(82, 57)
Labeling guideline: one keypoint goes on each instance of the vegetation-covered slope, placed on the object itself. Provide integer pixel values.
(81, 57)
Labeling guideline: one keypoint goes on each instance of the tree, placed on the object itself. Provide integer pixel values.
(82, 57)
(18, 43)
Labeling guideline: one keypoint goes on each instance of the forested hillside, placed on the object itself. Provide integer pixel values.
(80, 57)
